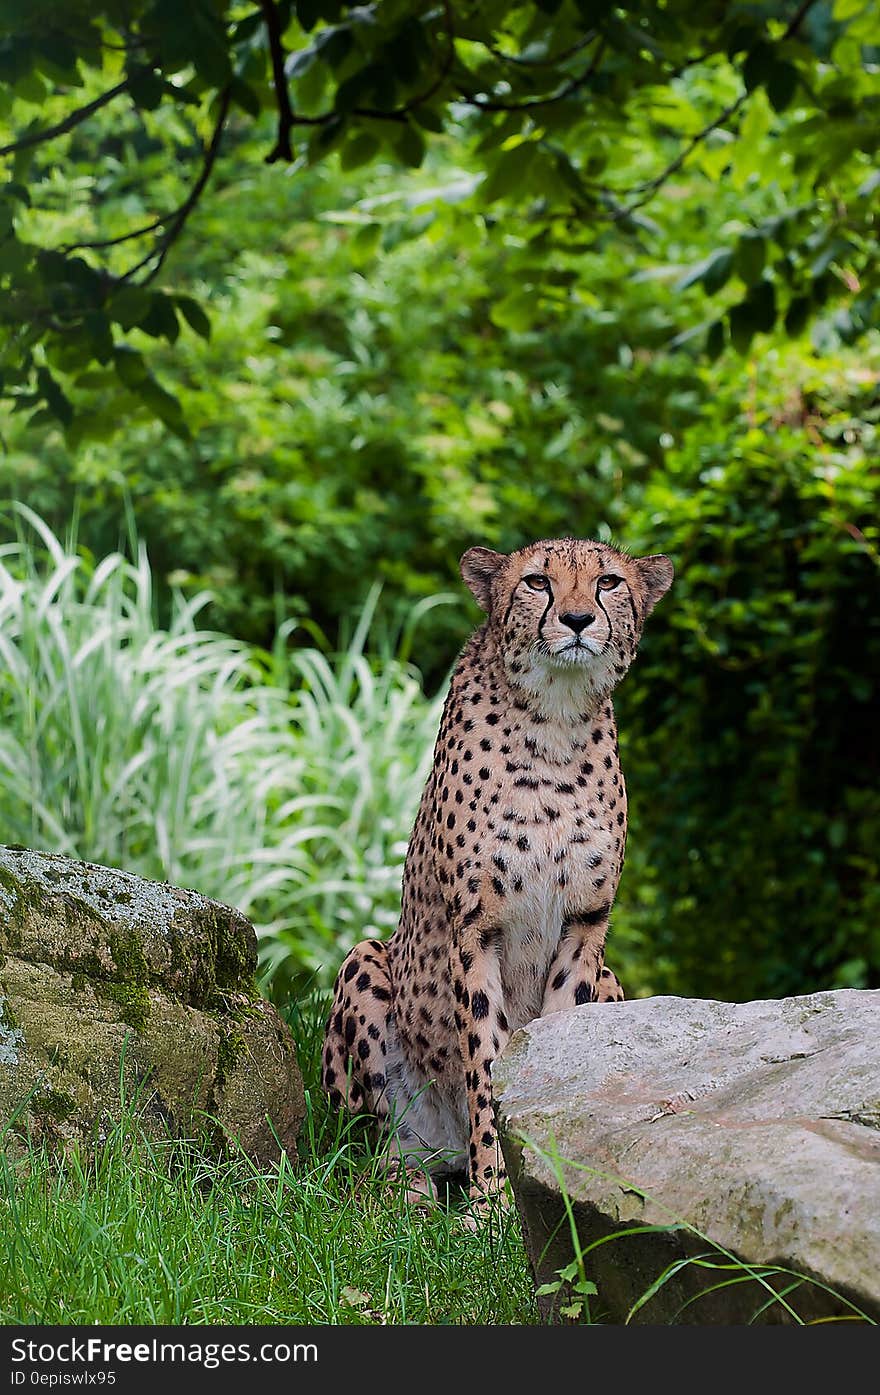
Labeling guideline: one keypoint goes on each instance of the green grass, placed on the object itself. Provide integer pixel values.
(159, 1233)
(162, 1233)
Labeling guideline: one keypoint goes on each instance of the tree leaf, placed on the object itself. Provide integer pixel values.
(428, 118)
(796, 315)
(750, 257)
(358, 150)
(129, 305)
(715, 339)
(410, 145)
(163, 405)
(714, 271)
(509, 172)
(244, 96)
(756, 314)
(194, 315)
(750, 153)
(56, 401)
(758, 66)
(782, 84)
(130, 366)
(308, 12)
(160, 321)
(145, 87)
(515, 311)
(762, 299)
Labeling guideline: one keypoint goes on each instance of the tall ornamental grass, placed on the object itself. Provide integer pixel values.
(283, 783)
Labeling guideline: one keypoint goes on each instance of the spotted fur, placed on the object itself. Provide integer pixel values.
(514, 859)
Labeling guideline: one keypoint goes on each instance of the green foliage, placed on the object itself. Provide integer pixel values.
(751, 735)
(572, 118)
(285, 784)
(352, 369)
(357, 413)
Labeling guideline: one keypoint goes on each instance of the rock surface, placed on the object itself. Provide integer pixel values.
(114, 986)
(757, 1123)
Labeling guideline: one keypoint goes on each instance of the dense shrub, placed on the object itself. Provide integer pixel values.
(284, 783)
(750, 730)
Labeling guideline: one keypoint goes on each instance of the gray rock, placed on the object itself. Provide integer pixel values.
(114, 987)
(757, 1124)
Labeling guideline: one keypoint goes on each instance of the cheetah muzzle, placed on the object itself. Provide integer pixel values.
(514, 859)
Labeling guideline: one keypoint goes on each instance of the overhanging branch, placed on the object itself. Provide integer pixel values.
(400, 113)
(177, 220)
(649, 187)
(123, 237)
(282, 149)
(61, 128)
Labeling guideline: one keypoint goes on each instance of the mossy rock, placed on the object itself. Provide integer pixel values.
(115, 990)
(113, 926)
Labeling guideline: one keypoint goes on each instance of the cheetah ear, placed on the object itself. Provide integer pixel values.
(478, 567)
(656, 574)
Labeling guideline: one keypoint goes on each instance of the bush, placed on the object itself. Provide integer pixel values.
(284, 783)
(750, 732)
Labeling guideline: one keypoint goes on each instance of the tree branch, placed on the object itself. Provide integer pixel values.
(543, 62)
(124, 237)
(282, 149)
(565, 91)
(399, 113)
(531, 102)
(647, 189)
(800, 15)
(178, 219)
(62, 127)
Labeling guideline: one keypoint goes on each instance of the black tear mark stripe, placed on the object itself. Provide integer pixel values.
(547, 608)
(604, 612)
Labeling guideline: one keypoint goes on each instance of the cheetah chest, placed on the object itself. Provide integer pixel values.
(543, 872)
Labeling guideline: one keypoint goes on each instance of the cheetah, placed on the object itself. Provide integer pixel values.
(513, 863)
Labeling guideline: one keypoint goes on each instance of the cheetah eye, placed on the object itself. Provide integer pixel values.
(608, 583)
(537, 582)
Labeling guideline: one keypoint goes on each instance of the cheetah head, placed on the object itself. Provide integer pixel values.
(566, 610)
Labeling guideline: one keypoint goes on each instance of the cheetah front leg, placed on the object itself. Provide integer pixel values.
(577, 972)
(483, 1032)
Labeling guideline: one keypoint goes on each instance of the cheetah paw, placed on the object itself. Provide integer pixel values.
(419, 1190)
(484, 1208)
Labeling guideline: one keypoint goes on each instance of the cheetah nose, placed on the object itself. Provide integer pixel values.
(577, 620)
